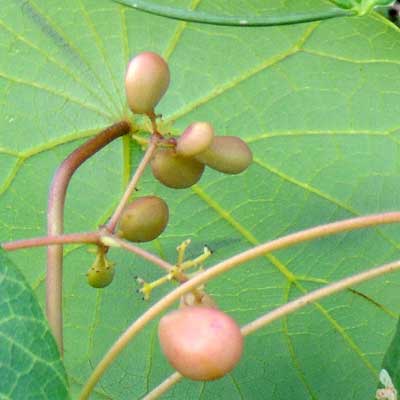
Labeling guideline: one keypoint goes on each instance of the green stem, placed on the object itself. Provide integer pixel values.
(224, 266)
(230, 20)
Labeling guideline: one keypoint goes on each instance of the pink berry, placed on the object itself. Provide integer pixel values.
(195, 139)
(227, 154)
(202, 343)
(146, 80)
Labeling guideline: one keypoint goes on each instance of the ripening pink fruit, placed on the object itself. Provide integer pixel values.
(146, 80)
(195, 139)
(227, 154)
(202, 343)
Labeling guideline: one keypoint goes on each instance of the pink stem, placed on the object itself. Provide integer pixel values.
(89, 237)
(123, 244)
(55, 217)
(112, 223)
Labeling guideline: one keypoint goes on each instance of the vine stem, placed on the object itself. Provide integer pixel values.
(228, 20)
(163, 386)
(114, 241)
(318, 294)
(277, 244)
(288, 309)
(55, 221)
(85, 237)
(112, 223)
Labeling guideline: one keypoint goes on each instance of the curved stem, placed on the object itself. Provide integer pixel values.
(290, 308)
(164, 386)
(277, 244)
(245, 20)
(85, 237)
(112, 223)
(319, 294)
(55, 216)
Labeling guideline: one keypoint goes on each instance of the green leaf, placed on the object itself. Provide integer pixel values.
(318, 103)
(391, 362)
(30, 365)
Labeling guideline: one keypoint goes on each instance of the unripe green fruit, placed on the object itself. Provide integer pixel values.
(146, 80)
(195, 139)
(227, 154)
(175, 171)
(202, 343)
(101, 273)
(144, 219)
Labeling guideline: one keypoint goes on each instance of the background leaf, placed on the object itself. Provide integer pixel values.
(318, 104)
(391, 362)
(30, 365)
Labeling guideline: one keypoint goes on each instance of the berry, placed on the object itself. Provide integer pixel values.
(144, 219)
(195, 139)
(101, 273)
(146, 80)
(202, 343)
(174, 171)
(228, 154)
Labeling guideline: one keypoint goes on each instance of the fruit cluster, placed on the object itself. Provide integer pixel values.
(200, 341)
(180, 164)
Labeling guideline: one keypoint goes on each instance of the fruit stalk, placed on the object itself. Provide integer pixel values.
(163, 386)
(55, 221)
(112, 223)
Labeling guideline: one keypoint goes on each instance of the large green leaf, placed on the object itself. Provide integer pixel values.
(30, 364)
(318, 103)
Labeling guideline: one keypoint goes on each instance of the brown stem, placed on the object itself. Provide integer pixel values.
(86, 237)
(112, 223)
(55, 217)
(153, 118)
(277, 244)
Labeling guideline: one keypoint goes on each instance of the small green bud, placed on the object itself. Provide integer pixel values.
(101, 273)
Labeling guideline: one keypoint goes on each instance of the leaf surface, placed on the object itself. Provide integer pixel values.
(391, 362)
(30, 365)
(318, 104)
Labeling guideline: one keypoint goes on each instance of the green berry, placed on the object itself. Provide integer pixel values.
(175, 171)
(196, 138)
(144, 219)
(202, 343)
(147, 79)
(101, 273)
(227, 154)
